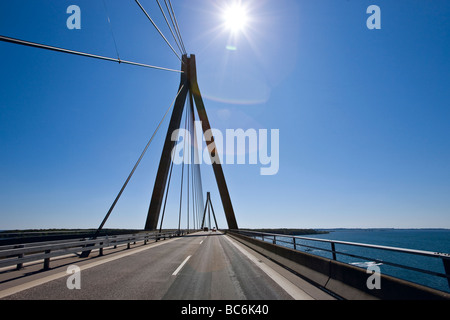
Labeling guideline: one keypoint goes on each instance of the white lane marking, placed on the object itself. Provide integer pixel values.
(201, 242)
(31, 284)
(181, 266)
(284, 283)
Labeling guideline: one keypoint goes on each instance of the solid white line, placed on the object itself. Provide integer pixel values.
(284, 283)
(31, 284)
(181, 266)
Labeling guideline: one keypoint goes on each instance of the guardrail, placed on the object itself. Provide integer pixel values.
(298, 242)
(28, 252)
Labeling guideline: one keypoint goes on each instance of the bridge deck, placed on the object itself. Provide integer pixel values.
(201, 266)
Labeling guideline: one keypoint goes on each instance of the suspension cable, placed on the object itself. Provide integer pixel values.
(192, 129)
(174, 22)
(176, 25)
(182, 173)
(188, 112)
(156, 27)
(57, 49)
(170, 28)
(110, 28)
(200, 186)
(134, 168)
(198, 177)
(165, 200)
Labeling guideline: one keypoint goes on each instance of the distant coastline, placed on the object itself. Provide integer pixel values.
(286, 231)
(49, 232)
(32, 235)
(61, 231)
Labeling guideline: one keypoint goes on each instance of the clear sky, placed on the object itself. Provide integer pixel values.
(363, 114)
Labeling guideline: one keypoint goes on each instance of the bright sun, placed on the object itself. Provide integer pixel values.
(235, 17)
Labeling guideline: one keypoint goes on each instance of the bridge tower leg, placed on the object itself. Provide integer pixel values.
(188, 83)
(166, 158)
(209, 206)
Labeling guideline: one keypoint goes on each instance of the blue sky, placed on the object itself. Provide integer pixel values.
(363, 114)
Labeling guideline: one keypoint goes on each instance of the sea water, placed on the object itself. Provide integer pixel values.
(433, 240)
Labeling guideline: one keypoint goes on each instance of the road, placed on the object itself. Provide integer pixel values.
(201, 266)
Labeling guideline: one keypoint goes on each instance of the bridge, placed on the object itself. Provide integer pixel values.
(199, 262)
(198, 266)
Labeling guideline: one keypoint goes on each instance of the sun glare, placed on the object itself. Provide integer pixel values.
(235, 18)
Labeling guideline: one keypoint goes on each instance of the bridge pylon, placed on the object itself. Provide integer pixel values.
(209, 207)
(188, 88)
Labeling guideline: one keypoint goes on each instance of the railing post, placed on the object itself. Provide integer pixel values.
(446, 262)
(47, 261)
(333, 251)
(19, 265)
(274, 239)
(100, 252)
(295, 244)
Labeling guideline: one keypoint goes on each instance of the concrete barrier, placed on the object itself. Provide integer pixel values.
(344, 280)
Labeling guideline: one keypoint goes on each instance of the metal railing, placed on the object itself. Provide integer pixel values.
(19, 254)
(299, 242)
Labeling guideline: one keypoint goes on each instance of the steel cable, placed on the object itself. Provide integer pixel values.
(170, 28)
(176, 26)
(79, 53)
(159, 31)
(135, 167)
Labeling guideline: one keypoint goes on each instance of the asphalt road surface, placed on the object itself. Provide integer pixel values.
(201, 266)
